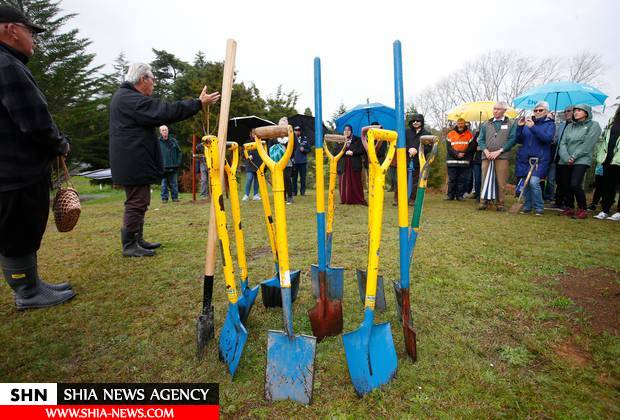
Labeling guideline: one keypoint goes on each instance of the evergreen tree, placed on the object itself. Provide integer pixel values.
(281, 104)
(339, 112)
(308, 112)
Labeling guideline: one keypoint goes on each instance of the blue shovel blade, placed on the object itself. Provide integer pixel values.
(232, 338)
(290, 367)
(335, 281)
(246, 300)
(371, 356)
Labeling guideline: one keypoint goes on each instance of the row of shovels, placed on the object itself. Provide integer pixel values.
(370, 352)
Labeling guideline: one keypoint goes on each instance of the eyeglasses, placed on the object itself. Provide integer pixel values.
(416, 121)
(33, 34)
(539, 110)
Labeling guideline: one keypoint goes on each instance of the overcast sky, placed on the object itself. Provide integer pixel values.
(278, 40)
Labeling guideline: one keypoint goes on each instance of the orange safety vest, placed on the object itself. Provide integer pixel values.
(460, 141)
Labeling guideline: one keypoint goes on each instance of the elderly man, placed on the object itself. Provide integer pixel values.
(497, 136)
(171, 156)
(135, 156)
(29, 141)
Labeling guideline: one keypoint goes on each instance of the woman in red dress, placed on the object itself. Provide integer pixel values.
(350, 170)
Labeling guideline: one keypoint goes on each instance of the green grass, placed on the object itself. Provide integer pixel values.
(486, 329)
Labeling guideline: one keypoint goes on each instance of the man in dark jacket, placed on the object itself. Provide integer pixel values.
(135, 156)
(300, 161)
(416, 130)
(171, 157)
(29, 141)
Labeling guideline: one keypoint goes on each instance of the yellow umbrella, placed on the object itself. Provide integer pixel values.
(477, 111)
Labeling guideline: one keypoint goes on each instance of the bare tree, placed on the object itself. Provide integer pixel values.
(585, 67)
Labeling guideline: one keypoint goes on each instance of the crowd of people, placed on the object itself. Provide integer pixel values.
(31, 141)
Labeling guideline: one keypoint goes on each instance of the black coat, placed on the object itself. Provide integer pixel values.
(135, 157)
(359, 152)
(413, 140)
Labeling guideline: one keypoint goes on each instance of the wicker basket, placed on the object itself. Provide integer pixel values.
(67, 207)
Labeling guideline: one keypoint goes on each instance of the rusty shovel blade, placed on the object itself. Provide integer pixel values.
(326, 316)
(403, 307)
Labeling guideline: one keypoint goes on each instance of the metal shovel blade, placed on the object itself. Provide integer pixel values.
(271, 293)
(205, 331)
(371, 355)
(326, 316)
(232, 338)
(246, 301)
(290, 367)
(335, 281)
(404, 315)
(380, 303)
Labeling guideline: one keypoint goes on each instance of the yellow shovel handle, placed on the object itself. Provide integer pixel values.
(231, 173)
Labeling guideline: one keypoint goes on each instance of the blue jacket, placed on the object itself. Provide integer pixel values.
(536, 142)
(298, 155)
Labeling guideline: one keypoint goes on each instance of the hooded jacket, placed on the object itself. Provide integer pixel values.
(602, 147)
(536, 142)
(413, 139)
(135, 156)
(579, 139)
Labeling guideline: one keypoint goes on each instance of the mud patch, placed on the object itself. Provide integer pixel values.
(597, 291)
(573, 354)
(255, 253)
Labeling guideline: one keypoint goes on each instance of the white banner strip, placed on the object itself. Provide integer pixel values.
(28, 393)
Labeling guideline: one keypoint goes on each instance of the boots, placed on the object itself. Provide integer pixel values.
(144, 244)
(131, 248)
(21, 274)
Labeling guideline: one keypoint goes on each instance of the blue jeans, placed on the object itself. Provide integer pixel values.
(476, 169)
(250, 177)
(549, 193)
(169, 181)
(533, 195)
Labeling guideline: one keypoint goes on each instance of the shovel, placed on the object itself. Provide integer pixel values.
(370, 352)
(326, 316)
(334, 275)
(290, 358)
(408, 237)
(380, 303)
(246, 300)
(270, 288)
(516, 207)
(233, 334)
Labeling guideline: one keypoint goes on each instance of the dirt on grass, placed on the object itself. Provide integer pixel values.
(597, 292)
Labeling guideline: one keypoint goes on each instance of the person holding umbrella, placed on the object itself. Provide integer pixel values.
(535, 136)
(497, 137)
(575, 152)
(460, 148)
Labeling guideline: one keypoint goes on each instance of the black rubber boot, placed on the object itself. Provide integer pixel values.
(144, 244)
(21, 274)
(131, 248)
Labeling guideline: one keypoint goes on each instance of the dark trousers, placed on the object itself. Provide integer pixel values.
(458, 176)
(138, 199)
(562, 196)
(598, 189)
(300, 169)
(23, 218)
(611, 182)
(288, 191)
(572, 181)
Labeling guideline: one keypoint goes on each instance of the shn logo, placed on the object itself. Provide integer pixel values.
(28, 395)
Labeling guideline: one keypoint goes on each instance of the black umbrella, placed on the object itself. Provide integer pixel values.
(306, 122)
(239, 128)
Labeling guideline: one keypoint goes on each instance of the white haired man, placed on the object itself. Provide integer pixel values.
(135, 156)
(497, 136)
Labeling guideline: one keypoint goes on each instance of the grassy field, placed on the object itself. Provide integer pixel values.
(489, 330)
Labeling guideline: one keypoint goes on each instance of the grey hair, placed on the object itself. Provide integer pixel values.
(542, 104)
(502, 104)
(137, 71)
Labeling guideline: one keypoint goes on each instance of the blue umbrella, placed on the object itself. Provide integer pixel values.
(364, 114)
(559, 95)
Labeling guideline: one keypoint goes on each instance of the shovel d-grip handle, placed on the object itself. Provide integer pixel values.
(277, 171)
(273, 131)
(378, 134)
(231, 174)
(264, 195)
(426, 160)
(212, 160)
(333, 173)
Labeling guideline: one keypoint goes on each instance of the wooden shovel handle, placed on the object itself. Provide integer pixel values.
(271, 132)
